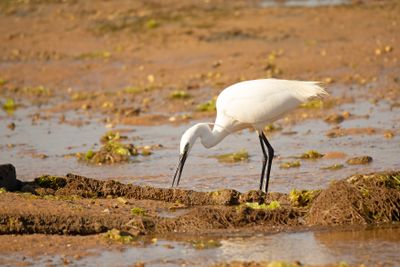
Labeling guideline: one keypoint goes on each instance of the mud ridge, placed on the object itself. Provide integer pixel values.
(78, 205)
(86, 187)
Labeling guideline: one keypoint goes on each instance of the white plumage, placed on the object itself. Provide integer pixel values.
(255, 104)
(261, 102)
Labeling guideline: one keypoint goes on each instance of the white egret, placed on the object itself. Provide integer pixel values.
(249, 104)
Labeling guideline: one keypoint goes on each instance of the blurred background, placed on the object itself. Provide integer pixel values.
(106, 88)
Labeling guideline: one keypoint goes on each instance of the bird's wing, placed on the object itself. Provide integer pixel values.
(262, 101)
(254, 110)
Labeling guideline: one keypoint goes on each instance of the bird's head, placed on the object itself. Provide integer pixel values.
(187, 141)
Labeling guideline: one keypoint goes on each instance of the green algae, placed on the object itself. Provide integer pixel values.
(241, 155)
(290, 164)
(136, 211)
(273, 205)
(302, 198)
(50, 181)
(311, 154)
(119, 236)
(180, 94)
(208, 106)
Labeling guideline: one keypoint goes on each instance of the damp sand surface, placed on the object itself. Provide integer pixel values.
(129, 62)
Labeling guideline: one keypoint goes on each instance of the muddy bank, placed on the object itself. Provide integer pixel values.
(78, 205)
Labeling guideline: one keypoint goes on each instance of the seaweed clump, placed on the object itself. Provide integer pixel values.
(9, 105)
(311, 154)
(50, 181)
(301, 198)
(290, 164)
(359, 160)
(360, 199)
(208, 106)
(112, 151)
(271, 206)
(120, 236)
(241, 155)
(136, 211)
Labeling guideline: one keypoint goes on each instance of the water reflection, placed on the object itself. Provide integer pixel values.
(373, 246)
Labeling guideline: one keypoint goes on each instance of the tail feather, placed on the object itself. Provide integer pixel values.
(310, 90)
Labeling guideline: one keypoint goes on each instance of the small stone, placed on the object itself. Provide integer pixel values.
(334, 118)
(8, 177)
(146, 151)
(389, 134)
(11, 126)
(66, 261)
(388, 49)
(150, 78)
(217, 64)
(359, 160)
(378, 51)
(346, 114)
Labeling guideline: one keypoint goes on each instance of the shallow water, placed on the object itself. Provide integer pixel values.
(202, 172)
(372, 247)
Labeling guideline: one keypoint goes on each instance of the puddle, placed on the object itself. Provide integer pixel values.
(302, 3)
(318, 247)
(201, 172)
(372, 247)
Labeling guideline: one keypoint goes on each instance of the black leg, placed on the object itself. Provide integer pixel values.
(265, 158)
(270, 158)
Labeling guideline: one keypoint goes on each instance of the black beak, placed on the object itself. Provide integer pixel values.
(179, 168)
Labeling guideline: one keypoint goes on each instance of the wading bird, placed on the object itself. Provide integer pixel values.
(249, 104)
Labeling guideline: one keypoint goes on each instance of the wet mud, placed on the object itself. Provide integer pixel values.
(76, 68)
(79, 205)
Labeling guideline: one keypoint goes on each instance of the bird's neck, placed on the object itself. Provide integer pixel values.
(210, 138)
